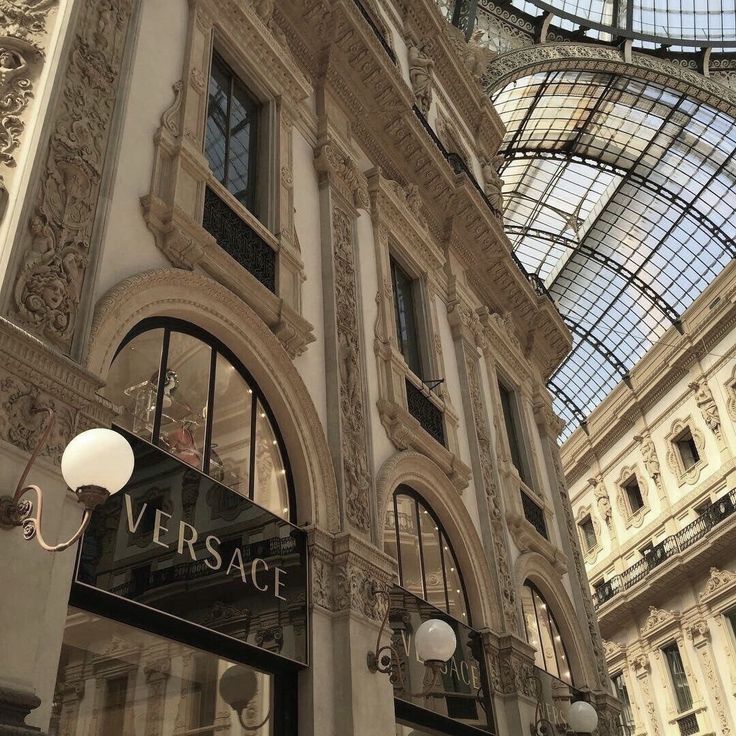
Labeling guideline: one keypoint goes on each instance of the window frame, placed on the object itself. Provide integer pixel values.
(673, 646)
(587, 520)
(514, 426)
(678, 439)
(258, 399)
(419, 316)
(626, 718)
(419, 501)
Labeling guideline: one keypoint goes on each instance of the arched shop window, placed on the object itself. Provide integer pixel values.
(185, 392)
(544, 635)
(427, 564)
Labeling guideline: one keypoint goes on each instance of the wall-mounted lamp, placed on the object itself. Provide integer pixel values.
(95, 464)
(238, 687)
(581, 718)
(435, 643)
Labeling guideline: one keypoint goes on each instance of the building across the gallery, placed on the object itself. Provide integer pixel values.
(264, 242)
(653, 487)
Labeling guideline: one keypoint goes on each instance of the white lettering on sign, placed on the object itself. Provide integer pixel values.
(258, 573)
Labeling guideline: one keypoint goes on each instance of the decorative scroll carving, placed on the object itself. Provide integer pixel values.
(612, 649)
(55, 243)
(731, 396)
(171, 117)
(707, 405)
(485, 453)
(332, 160)
(421, 68)
(700, 635)
(718, 579)
(656, 619)
(356, 474)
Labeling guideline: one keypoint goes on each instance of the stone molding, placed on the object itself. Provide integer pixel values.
(730, 387)
(632, 518)
(720, 582)
(15, 705)
(658, 621)
(202, 301)
(54, 244)
(685, 475)
(510, 665)
(591, 554)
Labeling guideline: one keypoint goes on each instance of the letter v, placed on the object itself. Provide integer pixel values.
(129, 511)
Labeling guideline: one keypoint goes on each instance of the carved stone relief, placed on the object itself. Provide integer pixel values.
(674, 460)
(356, 473)
(718, 580)
(488, 474)
(603, 502)
(54, 244)
(707, 405)
(649, 456)
(421, 73)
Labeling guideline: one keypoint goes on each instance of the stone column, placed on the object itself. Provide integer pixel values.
(642, 669)
(699, 634)
(468, 336)
(343, 190)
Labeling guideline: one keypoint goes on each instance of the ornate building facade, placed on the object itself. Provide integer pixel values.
(654, 493)
(264, 241)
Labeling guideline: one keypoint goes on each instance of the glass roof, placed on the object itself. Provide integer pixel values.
(621, 196)
(687, 21)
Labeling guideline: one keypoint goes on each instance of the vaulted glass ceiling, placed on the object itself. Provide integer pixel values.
(621, 196)
(711, 22)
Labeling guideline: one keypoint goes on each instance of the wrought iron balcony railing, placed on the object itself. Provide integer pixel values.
(237, 238)
(424, 410)
(672, 545)
(688, 725)
(534, 514)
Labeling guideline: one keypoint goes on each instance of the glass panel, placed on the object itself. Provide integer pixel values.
(531, 625)
(215, 147)
(509, 416)
(270, 489)
(231, 420)
(185, 398)
(454, 586)
(113, 679)
(434, 578)
(243, 121)
(389, 532)
(406, 325)
(133, 380)
(545, 636)
(564, 664)
(411, 571)
(679, 678)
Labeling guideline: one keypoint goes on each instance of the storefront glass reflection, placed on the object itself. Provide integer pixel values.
(114, 680)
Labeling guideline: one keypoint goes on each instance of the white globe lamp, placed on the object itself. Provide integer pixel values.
(99, 459)
(582, 717)
(435, 641)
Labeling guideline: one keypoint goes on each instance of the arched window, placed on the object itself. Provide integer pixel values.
(543, 634)
(427, 564)
(182, 390)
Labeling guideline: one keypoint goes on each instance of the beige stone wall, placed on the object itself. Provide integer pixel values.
(351, 173)
(684, 380)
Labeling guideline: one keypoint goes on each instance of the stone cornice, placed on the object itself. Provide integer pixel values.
(348, 58)
(704, 324)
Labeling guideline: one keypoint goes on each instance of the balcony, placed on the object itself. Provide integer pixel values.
(426, 412)
(667, 548)
(534, 514)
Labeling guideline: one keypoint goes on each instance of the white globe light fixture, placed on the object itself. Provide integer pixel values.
(435, 641)
(582, 717)
(95, 464)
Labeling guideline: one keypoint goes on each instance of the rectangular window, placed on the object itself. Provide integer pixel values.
(511, 421)
(633, 494)
(407, 323)
(731, 616)
(620, 691)
(588, 532)
(232, 134)
(685, 445)
(679, 678)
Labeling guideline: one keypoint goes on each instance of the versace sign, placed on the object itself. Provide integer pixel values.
(176, 541)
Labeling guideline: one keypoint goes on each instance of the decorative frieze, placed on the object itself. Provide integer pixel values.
(718, 582)
(55, 244)
(707, 405)
(657, 620)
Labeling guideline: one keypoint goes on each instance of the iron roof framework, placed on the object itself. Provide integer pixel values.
(620, 196)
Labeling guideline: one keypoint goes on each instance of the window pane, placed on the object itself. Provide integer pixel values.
(146, 677)
(510, 421)
(270, 489)
(389, 532)
(185, 398)
(217, 121)
(454, 586)
(560, 652)
(531, 625)
(406, 325)
(231, 419)
(411, 571)
(679, 678)
(545, 635)
(133, 380)
(434, 579)
(243, 120)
